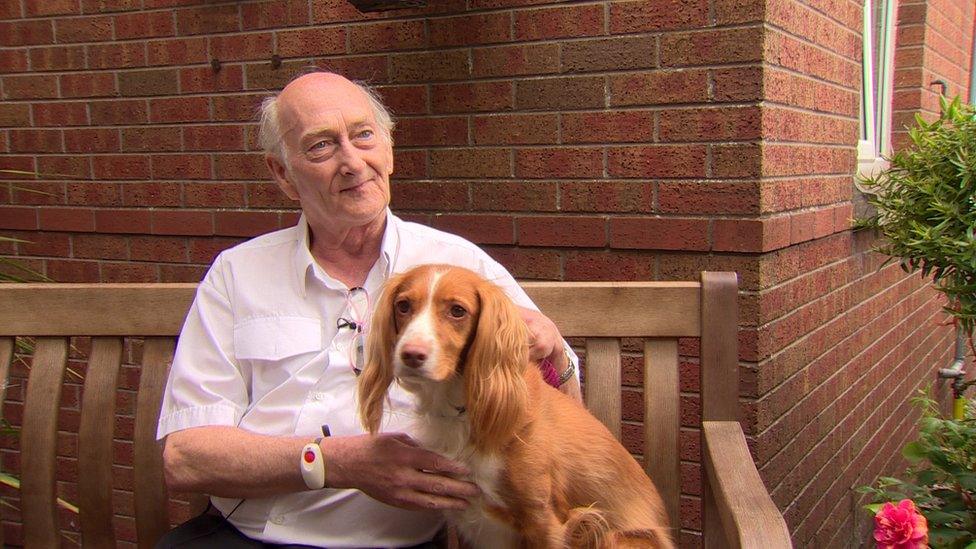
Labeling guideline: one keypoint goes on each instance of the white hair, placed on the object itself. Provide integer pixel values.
(269, 126)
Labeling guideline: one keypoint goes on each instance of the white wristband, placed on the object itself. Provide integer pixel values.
(312, 465)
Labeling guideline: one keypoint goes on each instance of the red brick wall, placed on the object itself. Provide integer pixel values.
(614, 139)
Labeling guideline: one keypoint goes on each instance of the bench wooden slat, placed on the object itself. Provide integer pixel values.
(662, 421)
(603, 381)
(619, 309)
(95, 436)
(7, 345)
(94, 309)
(151, 507)
(38, 442)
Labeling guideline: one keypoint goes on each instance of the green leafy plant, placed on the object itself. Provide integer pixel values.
(943, 477)
(926, 207)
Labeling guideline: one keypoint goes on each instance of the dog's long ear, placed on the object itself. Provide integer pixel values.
(377, 374)
(496, 393)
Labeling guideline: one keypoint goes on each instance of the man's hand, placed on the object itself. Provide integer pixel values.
(546, 341)
(392, 468)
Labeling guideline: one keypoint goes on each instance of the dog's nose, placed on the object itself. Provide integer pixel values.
(413, 355)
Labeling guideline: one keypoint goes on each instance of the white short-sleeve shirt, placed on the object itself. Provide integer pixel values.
(259, 350)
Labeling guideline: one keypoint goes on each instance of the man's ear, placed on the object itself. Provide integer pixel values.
(280, 174)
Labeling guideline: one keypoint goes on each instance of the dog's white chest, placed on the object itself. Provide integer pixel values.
(476, 524)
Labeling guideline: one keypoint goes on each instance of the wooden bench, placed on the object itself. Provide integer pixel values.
(737, 509)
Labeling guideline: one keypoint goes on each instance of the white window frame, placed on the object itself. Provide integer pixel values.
(876, 118)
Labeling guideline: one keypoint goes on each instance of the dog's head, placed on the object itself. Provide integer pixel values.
(439, 324)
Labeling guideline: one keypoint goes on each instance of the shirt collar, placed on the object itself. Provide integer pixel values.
(304, 264)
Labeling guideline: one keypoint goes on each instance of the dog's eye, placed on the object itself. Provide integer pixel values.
(402, 306)
(458, 311)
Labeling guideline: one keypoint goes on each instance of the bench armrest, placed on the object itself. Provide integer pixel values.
(749, 517)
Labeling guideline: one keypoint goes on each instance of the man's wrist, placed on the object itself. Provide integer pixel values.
(312, 465)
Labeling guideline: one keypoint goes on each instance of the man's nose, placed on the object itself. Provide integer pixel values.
(350, 158)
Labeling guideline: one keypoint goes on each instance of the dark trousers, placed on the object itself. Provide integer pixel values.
(212, 531)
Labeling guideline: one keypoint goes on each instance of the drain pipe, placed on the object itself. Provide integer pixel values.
(955, 370)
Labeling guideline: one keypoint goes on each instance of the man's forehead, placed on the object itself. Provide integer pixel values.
(324, 119)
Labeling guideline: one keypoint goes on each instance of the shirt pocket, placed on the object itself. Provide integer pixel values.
(276, 338)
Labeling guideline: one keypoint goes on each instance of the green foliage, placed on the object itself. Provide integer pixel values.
(943, 474)
(926, 207)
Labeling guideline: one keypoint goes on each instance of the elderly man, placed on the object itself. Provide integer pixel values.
(260, 411)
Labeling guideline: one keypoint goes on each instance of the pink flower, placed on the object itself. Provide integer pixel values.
(900, 527)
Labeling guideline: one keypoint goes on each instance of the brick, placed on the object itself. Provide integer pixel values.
(641, 16)
(35, 141)
(751, 235)
(736, 160)
(128, 272)
(151, 139)
(50, 244)
(791, 125)
(97, 246)
(57, 58)
(470, 163)
(248, 46)
(609, 54)
(176, 52)
(264, 15)
(240, 166)
(158, 249)
(480, 229)
(515, 129)
(181, 167)
(179, 109)
(118, 112)
(712, 47)
(432, 131)
(437, 196)
(53, 7)
(311, 42)
(207, 19)
(468, 30)
(430, 66)
(213, 138)
(386, 36)
(11, 10)
(657, 161)
(30, 87)
(65, 219)
(655, 233)
(181, 273)
(559, 22)
(13, 61)
(155, 194)
(562, 231)
(579, 92)
(204, 79)
(69, 166)
(729, 12)
(800, 56)
(210, 194)
(152, 24)
(98, 6)
(659, 87)
(724, 124)
(608, 127)
(245, 223)
(233, 108)
(182, 222)
(606, 196)
(329, 11)
(798, 159)
(737, 84)
(18, 218)
(26, 33)
(91, 140)
(117, 55)
(87, 84)
(121, 167)
(468, 97)
(561, 162)
(708, 197)
(15, 115)
(83, 29)
(260, 76)
(515, 60)
(150, 82)
(374, 69)
(60, 114)
(405, 99)
(531, 196)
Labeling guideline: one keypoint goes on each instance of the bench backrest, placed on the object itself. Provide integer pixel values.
(601, 313)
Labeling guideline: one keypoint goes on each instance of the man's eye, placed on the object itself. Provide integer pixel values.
(458, 311)
(365, 134)
(319, 145)
(402, 306)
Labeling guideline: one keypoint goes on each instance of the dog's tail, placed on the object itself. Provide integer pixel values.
(587, 528)
(657, 538)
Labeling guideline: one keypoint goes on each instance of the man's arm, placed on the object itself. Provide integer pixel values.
(390, 467)
(546, 342)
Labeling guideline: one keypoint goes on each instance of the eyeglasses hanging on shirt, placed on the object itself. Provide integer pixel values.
(353, 326)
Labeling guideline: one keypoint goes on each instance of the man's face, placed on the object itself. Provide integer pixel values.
(337, 159)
